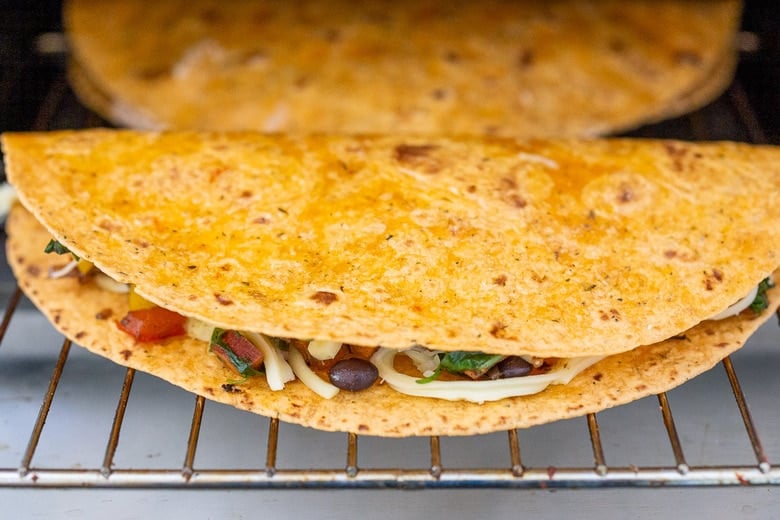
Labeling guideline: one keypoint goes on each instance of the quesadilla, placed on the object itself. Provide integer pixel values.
(440, 285)
(512, 68)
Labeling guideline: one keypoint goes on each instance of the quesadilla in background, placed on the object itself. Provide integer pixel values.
(396, 285)
(512, 68)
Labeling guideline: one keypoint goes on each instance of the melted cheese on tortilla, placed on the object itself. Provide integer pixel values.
(478, 391)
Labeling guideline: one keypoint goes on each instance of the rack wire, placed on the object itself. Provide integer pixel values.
(514, 473)
(352, 475)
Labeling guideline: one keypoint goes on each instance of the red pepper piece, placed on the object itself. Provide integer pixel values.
(242, 349)
(153, 324)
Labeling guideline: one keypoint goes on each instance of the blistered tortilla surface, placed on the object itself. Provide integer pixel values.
(88, 315)
(517, 68)
(550, 248)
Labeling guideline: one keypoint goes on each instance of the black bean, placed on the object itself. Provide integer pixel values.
(512, 366)
(353, 374)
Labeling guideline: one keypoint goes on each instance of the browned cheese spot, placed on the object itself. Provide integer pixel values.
(104, 314)
(626, 193)
(222, 300)
(500, 280)
(452, 57)
(418, 157)
(617, 45)
(109, 225)
(151, 73)
(497, 330)
(439, 94)
(509, 191)
(324, 297)
(526, 58)
(677, 153)
(712, 278)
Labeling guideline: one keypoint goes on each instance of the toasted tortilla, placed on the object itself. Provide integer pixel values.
(87, 315)
(547, 248)
(567, 68)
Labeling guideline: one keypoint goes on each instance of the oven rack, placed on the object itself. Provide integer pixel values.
(352, 475)
(731, 117)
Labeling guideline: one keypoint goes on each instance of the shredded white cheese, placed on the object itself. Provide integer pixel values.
(64, 271)
(323, 349)
(477, 391)
(107, 283)
(7, 198)
(277, 371)
(738, 307)
(426, 360)
(308, 377)
(199, 329)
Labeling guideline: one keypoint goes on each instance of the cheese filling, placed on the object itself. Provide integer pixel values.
(282, 366)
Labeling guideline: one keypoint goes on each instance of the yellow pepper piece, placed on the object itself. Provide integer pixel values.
(137, 302)
(84, 266)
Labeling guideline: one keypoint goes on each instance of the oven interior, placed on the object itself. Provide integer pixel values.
(69, 419)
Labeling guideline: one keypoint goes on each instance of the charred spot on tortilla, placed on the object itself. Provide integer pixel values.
(230, 388)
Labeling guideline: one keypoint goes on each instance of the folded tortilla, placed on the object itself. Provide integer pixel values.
(567, 68)
(549, 248)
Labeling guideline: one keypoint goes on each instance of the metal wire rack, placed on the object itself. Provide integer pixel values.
(58, 108)
(351, 475)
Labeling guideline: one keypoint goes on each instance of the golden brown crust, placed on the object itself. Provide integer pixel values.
(567, 68)
(549, 248)
(87, 315)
